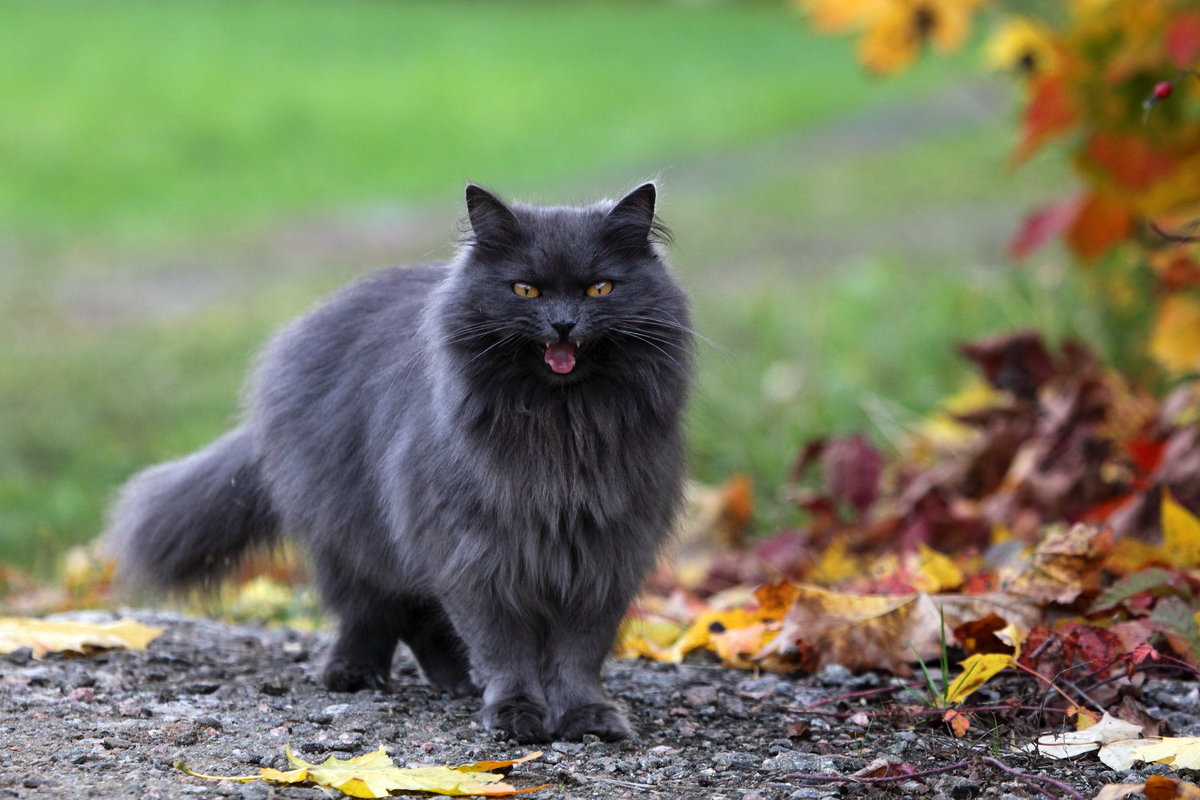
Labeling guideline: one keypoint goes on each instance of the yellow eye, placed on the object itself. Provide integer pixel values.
(526, 289)
(599, 289)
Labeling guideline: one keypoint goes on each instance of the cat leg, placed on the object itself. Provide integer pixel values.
(362, 655)
(575, 654)
(439, 651)
(505, 653)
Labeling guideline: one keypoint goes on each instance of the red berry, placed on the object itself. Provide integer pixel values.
(1163, 90)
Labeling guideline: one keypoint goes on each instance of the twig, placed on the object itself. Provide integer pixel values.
(579, 776)
(848, 696)
(921, 712)
(995, 762)
(1027, 776)
(1178, 238)
(887, 779)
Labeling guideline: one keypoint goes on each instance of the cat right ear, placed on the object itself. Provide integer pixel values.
(493, 224)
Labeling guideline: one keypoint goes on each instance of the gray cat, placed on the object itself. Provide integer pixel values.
(483, 458)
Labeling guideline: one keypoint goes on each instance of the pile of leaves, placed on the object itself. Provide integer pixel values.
(1040, 523)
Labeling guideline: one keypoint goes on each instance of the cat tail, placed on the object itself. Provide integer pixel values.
(188, 522)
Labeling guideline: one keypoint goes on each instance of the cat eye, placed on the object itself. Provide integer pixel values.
(599, 289)
(526, 289)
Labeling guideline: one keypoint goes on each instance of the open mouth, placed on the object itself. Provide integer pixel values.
(560, 356)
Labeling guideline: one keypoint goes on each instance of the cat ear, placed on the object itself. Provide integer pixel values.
(631, 221)
(493, 224)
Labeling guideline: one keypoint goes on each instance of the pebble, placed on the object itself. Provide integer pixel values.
(792, 761)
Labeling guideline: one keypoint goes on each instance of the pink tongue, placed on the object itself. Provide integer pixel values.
(561, 356)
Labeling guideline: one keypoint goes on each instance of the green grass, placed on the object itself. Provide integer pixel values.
(139, 135)
(142, 120)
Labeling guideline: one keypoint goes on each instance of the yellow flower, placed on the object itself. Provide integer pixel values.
(897, 29)
(1025, 46)
(832, 16)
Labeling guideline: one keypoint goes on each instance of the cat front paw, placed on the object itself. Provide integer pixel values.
(341, 675)
(600, 719)
(517, 718)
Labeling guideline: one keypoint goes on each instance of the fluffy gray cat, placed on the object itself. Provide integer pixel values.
(483, 458)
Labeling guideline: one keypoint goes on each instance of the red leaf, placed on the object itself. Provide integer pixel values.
(852, 468)
(1051, 112)
(1182, 42)
(1015, 362)
(1043, 224)
(1128, 160)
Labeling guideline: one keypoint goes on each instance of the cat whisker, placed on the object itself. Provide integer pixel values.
(674, 324)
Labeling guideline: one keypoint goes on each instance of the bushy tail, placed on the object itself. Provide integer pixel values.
(187, 522)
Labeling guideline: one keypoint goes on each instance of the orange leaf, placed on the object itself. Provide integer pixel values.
(959, 722)
(1102, 222)
(1051, 112)
(1128, 160)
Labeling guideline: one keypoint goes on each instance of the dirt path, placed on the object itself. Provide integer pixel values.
(227, 699)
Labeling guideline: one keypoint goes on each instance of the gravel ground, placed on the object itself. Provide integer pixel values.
(226, 700)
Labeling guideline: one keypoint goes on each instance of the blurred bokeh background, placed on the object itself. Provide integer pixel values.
(178, 179)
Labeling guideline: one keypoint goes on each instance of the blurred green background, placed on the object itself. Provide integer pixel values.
(178, 179)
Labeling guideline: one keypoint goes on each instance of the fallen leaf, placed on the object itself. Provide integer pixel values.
(1177, 752)
(1156, 787)
(977, 670)
(1128, 587)
(959, 722)
(1065, 563)
(1181, 532)
(43, 636)
(859, 632)
(1073, 743)
(375, 775)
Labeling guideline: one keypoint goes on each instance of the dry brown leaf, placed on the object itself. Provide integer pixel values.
(1065, 564)
(856, 631)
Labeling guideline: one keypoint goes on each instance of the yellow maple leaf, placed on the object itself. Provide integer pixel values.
(934, 572)
(982, 667)
(375, 775)
(44, 636)
(1181, 532)
(1175, 341)
(1177, 752)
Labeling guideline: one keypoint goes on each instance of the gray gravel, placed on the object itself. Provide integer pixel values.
(226, 700)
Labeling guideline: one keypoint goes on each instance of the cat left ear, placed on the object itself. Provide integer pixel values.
(633, 215)
(492, 223)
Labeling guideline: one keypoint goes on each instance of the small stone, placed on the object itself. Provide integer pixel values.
(570, 748)
(729, 759)
(834, 675)
(957, 787)
(793, 761)
(700, 696)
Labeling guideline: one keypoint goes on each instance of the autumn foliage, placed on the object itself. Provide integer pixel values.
(1038, 524)
(1112, 84)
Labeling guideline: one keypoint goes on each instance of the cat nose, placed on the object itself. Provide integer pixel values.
(563, 327)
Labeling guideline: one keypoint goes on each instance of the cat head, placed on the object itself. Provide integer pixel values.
(564, 294)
